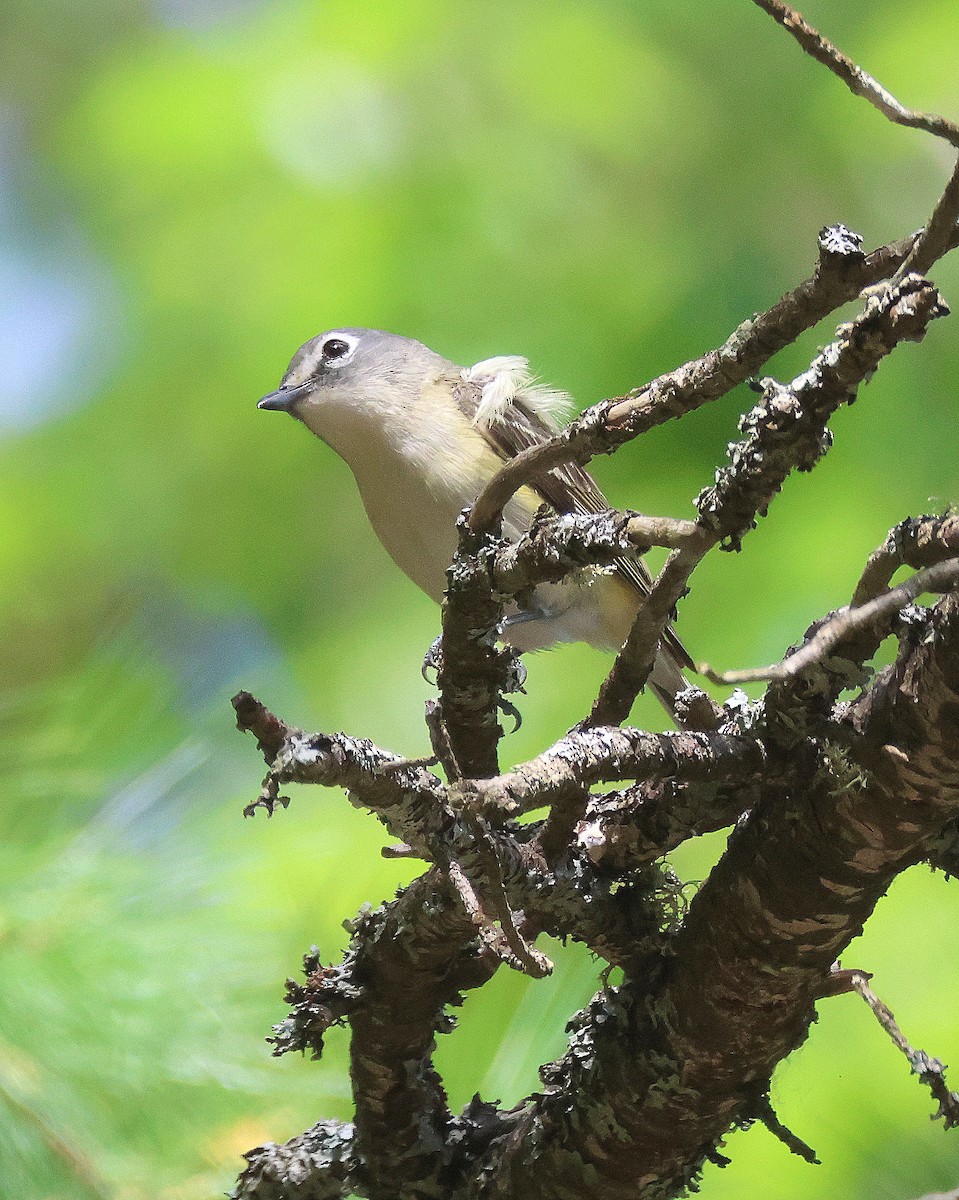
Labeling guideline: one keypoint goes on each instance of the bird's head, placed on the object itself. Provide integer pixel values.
(352, 366)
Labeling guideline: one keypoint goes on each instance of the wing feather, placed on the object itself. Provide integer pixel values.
(518, 426)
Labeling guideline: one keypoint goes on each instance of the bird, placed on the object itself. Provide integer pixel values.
(422, 436)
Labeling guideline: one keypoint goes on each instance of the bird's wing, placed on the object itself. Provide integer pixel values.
(528, 418)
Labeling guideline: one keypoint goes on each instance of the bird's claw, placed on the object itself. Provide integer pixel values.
(510, 710)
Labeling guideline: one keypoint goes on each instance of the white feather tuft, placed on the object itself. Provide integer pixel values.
(508, 378)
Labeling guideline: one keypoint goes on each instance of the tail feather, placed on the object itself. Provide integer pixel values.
(667, 679)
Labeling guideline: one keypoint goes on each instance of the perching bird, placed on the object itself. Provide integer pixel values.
(422, 436)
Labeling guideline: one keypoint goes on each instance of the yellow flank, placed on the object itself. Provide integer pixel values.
(416, 471)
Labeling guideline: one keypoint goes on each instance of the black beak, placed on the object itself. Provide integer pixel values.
(284, 398)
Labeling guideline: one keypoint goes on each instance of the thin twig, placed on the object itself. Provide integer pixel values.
(403, 764)
(933, 241)
(633, 664)
(764, 1112)
(566, 447)
(930, 1070)
(941, 578)
(859, 82)
(253, 717)
(440, 741)
(505, 942)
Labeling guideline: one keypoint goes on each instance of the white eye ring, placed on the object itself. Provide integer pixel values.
(337, 348)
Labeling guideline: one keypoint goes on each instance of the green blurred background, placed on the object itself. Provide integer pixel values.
(188, 190)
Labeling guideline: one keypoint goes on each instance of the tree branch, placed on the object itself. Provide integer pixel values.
(785, 432)
(320, 1164)
(474, 672)
(841, 274)
(408, 799)
(654, 1078)
(917, 542)
(626, 829)
(847, 623)
(859, 82)
(589, 756)
(930, 1070)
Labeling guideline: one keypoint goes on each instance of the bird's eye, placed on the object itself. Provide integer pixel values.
(335, 348)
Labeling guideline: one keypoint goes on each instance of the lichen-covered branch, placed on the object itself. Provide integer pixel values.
(558, 546)
(626, 829)
(474, 672)
(410, 801)
(589, 756)
(917, 542)
(413, 957)
(842, 272)
(320, 1164)
(786, 431)
(655, 1077)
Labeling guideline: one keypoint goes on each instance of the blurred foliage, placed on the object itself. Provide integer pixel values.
(188, 190)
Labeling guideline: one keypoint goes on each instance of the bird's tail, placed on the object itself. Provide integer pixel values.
(667, 679)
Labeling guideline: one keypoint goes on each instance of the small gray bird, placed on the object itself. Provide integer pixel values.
(422, 437)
